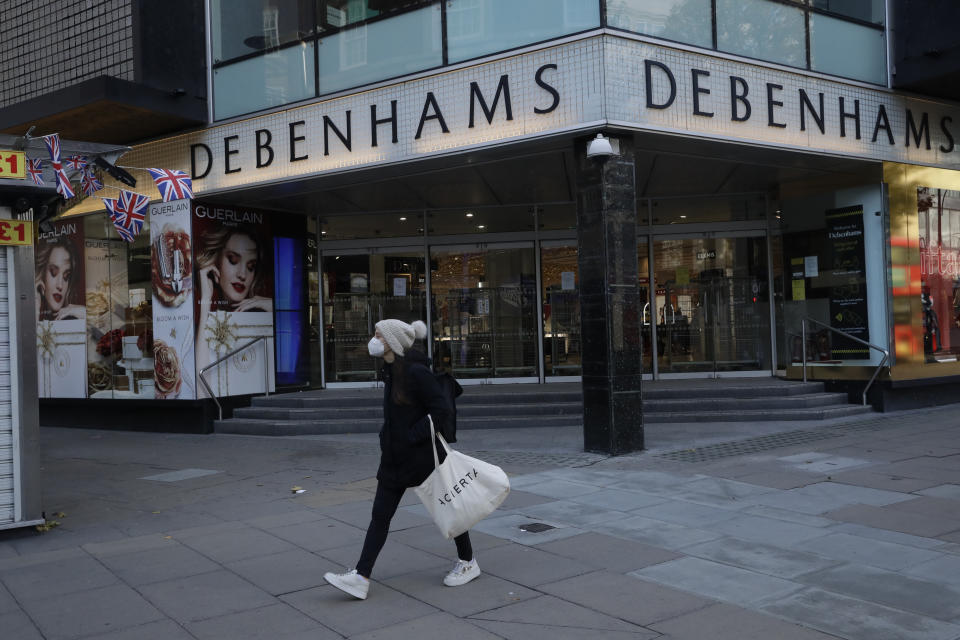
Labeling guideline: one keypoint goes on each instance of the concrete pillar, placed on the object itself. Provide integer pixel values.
(609, 300)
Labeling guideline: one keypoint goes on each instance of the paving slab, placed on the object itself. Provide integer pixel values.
(435, 625)
(776, 513)
(159, 630)
(951, 491)
(821, 497)
(359, 514)
(508, 527)
(482, 594)
(428, 538)
(553, 488)
(395, 558)
(524, 631)
(519, 499)
(552, 611)
(944, 569)
(318, 535)
(239, 544)
(273, 622)
(895, 520)
(625, 597)
(761, 529)
(529, 566)
(571, 513)
(890, 588)
(383, 608)
(16, 624)
(207, 595)
(655, 532)
(7, 602)
(762, 558)
(129, 545)
(858, 620)
(931, 506)
(886, 535)
(618, 499)
(46, 581)
(282, 572)
(729, 622)
(281, 520)
(885, 481)
(156, 565)
(777, 479)
(719, 581)
(686, 513)
(607, 552)
(875, 553)
(90, 612)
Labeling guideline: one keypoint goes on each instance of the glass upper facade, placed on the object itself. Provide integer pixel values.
(268, 53)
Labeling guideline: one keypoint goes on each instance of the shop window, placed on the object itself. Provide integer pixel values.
(242, 27)
(561, 310)
(762, 29)
(407, 42)
(555, 217)
(681, 20)
(479, 27)
(94, 313)
(268, 80)
(866, 10)
(847, 49)
(938, 212)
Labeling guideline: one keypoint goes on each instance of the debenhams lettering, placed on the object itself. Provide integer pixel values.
(811, 105)
(339, 132)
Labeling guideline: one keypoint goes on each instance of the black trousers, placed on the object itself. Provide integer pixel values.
(385, 504)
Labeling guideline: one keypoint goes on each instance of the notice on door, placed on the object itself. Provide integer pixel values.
(848, 282)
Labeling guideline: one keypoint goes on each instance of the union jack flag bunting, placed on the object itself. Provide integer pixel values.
(77, 163)
(90, 182)
(173, 185)
(53, 146)
(127, 213)
(35, 169)
(63, 182)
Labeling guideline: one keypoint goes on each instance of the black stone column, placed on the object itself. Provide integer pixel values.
(609, 301)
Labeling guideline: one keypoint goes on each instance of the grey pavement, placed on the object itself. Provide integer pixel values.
(849, 529)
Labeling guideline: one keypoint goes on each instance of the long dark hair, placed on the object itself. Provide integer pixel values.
(398, 391)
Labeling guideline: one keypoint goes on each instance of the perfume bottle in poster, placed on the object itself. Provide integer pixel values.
(61, 312)
(172, 353)
(233, 266)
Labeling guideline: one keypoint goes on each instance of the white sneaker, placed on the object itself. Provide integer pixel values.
(462, 573)
(350, 582)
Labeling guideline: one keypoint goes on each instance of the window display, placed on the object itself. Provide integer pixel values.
(939, 229)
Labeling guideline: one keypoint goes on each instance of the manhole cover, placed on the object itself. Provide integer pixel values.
(536, 527)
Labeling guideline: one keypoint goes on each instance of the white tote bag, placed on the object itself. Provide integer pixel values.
(462, 491)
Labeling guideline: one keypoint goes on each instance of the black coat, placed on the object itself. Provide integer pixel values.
(406, 458)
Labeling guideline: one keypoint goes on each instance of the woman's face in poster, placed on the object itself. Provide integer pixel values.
(56, 279)
(237, 266)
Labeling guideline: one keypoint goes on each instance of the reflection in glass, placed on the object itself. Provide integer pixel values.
(484, 312)
(716, 209)
(269, 80)
(395, 46)
(681, 20)
(762, 29)
(469, 220)
(847, 49)
(866, 10)
(561, 311)
(479, 27)
(401, 224)
(359, 291)
(242, 27)
(938, 213)
(712, 309)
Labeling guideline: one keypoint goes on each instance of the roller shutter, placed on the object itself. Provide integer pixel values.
(7, 511)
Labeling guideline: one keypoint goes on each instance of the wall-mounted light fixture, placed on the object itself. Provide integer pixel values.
(600, 148)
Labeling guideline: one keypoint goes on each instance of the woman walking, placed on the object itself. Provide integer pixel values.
(410, 393)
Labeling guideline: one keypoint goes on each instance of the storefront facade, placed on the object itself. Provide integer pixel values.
(742, 196)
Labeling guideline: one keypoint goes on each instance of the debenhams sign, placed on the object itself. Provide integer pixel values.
(605, 80)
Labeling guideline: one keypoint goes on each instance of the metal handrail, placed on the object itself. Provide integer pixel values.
(266, 371)
(803, 349)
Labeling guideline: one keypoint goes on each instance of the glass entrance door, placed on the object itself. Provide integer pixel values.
(484, 310)
(712, 305)
(358, 290)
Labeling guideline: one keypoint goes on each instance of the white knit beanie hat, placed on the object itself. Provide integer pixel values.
(399, 335)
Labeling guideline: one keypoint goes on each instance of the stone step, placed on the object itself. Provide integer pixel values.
(759, 415)
(738, 404)
(376, 411)
(266, 427)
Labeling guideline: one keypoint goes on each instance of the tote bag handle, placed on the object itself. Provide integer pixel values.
(433, 443)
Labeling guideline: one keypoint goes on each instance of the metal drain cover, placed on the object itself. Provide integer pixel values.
(536, 527)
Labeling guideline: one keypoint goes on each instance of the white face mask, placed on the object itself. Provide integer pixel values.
(375, 347)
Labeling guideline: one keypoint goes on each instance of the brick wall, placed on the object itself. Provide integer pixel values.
(46, 45)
